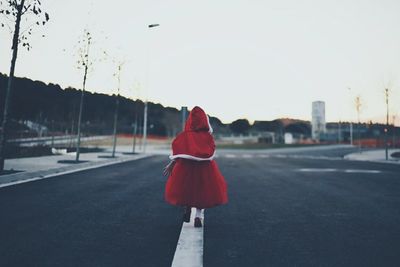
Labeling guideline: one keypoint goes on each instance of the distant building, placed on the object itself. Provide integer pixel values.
(288, 138)
(318, 124)
(39, 128)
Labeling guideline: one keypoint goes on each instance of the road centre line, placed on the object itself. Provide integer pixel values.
(362, 171)
(189, 250)
(317, 170)
(338, 170)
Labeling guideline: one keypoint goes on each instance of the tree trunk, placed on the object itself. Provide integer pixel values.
(115, 125)
(78, 142)
(4, 130)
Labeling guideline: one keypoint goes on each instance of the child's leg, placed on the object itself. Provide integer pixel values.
(197, 220)
(186, 214)
(198, 213)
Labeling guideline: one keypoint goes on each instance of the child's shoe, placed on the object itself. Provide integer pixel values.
(197, 222)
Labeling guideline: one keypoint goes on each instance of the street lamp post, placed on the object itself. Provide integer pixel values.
(184, 114)
(358, 106)
(351, 126)
(146, 107)
(394, 132)
(387, 123)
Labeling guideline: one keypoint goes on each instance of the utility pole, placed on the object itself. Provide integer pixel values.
(184, 113)
(394, 132)
(145, 104)
(351, 125)
(351, 133)
(145, 127)
(135, 132)
(387, 123)
(358, 107)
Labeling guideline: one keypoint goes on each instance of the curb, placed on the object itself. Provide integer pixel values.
(390, 161)
(353, 157)
(25, 177)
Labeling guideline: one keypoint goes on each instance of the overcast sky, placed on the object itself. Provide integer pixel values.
(254, 59)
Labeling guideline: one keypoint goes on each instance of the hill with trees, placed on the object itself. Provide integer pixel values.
(57, 109)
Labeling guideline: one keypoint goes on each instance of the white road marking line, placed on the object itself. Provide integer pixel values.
(230, 156)
(189, 250)
(362, 171)
(316, 170)
(264, 156)
(337, 170)
(247, 156)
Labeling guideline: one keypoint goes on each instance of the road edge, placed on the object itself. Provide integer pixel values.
(26, 177)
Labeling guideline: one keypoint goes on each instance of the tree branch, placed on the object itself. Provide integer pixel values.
(26, 9)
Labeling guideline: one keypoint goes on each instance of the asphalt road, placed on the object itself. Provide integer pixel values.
(111, 216)
(282, 212)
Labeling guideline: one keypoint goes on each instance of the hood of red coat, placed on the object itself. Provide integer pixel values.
(198, 121)
(196, 140)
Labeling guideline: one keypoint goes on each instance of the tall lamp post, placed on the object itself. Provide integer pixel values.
(358, 106)
(145, 106)
(351, 126)
(394, 131)
(387, 123)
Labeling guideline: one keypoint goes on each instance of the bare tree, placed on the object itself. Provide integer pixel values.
(84, 63)
(118, 75)
(15, 11)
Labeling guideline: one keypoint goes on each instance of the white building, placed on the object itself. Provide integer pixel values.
(318, 124)
(288, 138)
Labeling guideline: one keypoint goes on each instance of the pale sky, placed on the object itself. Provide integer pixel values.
(254, 59)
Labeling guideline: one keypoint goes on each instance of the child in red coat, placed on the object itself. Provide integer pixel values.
(194, 178)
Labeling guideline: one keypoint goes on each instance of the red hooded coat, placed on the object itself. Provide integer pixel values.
(195, 180)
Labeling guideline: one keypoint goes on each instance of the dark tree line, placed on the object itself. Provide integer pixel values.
(57, 109)
(50, 105)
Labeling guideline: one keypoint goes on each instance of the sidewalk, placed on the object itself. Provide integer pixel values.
(375, 156)
(35, 168)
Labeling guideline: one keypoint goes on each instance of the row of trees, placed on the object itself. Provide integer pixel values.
(57, 109)
(243, 126)
(30, 11)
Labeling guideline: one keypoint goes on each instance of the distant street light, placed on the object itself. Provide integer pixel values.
(351, 126)
(358, 107)
(145, 105)
(387, 122)
(394, 131)
(184, 111)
